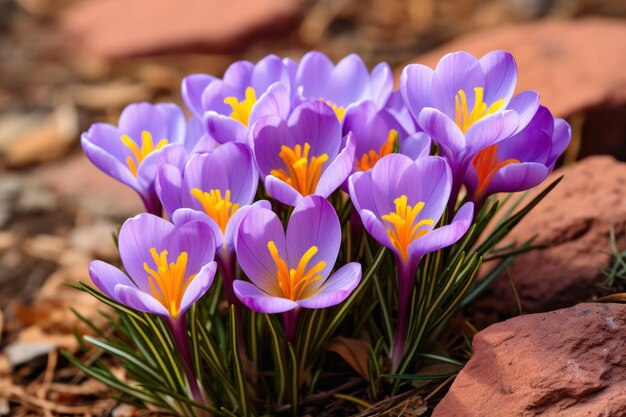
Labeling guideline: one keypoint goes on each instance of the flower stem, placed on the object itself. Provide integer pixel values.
(227, 265)
(290, 321)
(178, 327)
(405, 284)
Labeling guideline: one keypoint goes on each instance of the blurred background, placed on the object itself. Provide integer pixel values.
(65, 64)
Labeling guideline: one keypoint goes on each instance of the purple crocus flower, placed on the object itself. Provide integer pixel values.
(466, 104)
(216, 187)
(292, 270)
(400, 201)
(302, 155)
(520, 162)
(229, 106)
(147, 136)
(377, 133)
(342, 85)
(170, 266)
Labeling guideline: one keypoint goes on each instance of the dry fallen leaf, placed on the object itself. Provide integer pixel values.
(354, 352)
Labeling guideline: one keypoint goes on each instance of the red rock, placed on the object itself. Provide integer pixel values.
(569, 362)
(573, 221)
(562, 60)
(116, 28)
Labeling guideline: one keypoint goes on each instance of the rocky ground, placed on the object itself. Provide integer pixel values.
(66, 64)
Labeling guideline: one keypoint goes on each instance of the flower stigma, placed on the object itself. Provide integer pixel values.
(218, 208)
(486, 164)
(147, 147)
(168, 282)
(369, 159)
(294, 282)
(304, 172)
(403, 229)
(465, 118)
(242, 109)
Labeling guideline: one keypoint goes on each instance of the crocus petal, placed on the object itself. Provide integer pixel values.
(257, 228)
(314, 222)
(167, 186)
(274, 102)
(360, 185)
(106, 277)
(199, 286)
(525, 104)
(381, 84)
(162, 120)
(234, 222)
(224, 129)
(347, 82)
(338, 171)
(282, 191)
(444, 236)
(336, 288)
(560, 140)
(268, 71)
(491, 129)
(518, 177)
(137, 236)
(138, 300)
(172, 154)
(442, 130)
(261, 302)
(195, 238)
(416, 85)
(191, 90)
(108, 163)
(500, 76)
(456, 71)
(187, 215)
(313, 73)
(416, 145)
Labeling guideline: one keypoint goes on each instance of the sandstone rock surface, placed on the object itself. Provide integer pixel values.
(573, 222)
(569, 362)
(117, 28)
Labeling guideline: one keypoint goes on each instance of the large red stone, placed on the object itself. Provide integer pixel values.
(569, 362)
(117, 28)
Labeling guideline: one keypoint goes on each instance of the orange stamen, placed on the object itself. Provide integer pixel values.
(218, 208)
(243, 108)
(402, 228)
(369, 159)
(465, 118)
(147, 147)
(168, 282)
(294, 282)
(486, 164)
(304, 174)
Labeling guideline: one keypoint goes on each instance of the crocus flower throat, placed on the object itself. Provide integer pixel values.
(304, 173)
(339, 110)
(218, 208)
(168, 282)
(486, 164)
(403, 229)
(369, 159)
(140, 153)
(293, 282)
(242, 109)
(464, 118)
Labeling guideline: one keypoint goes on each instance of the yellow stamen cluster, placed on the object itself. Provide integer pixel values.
(218, 208)
(294, 282)
(486, 164)
(243, 108)
(403, 229)
(369, 159)
(465, 118)
(304, 173)
(168, 282)
(147, 147)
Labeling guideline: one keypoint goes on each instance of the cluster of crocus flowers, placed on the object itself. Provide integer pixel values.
(308, 131)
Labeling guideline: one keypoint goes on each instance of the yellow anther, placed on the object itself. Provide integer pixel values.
(304, 172)
(218, 208)
(168, 281)
(140, 153)
(243, 108)
(402, 228)
(339, 111)
(294, 282)
(465, 118)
